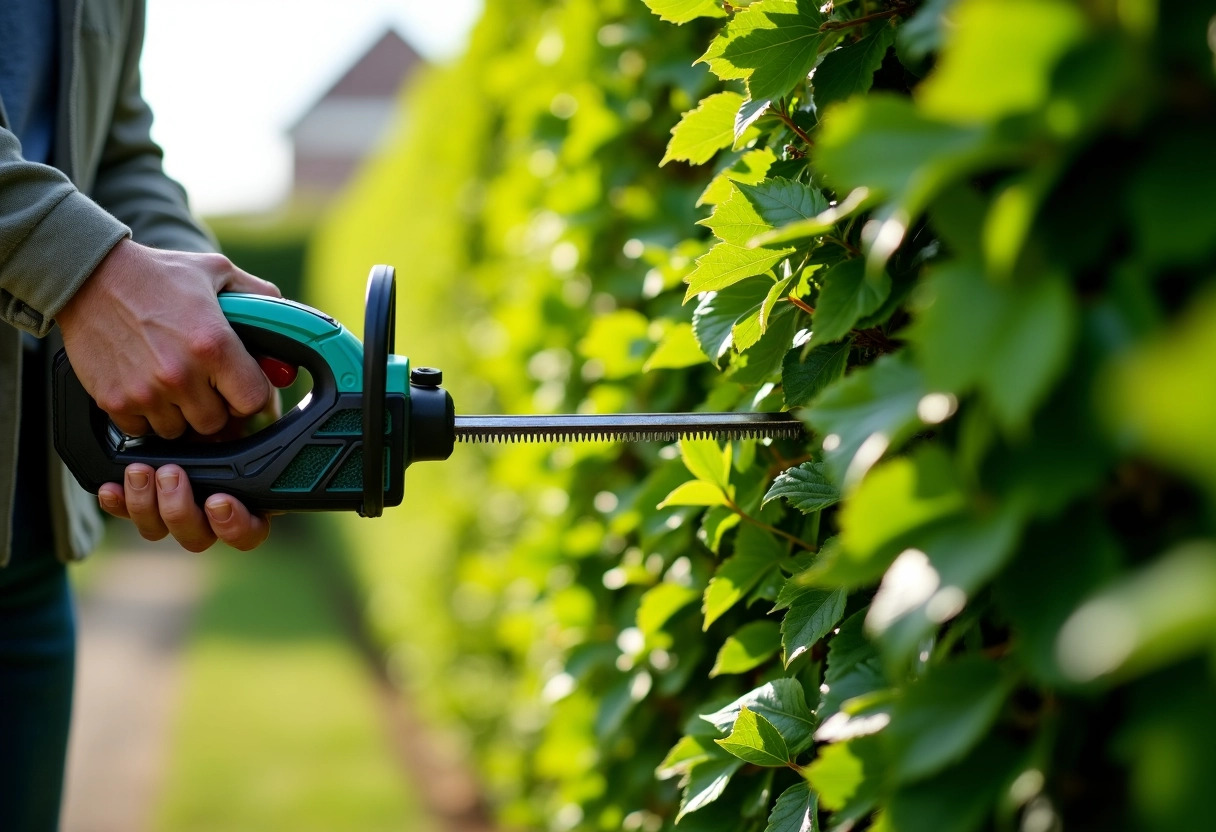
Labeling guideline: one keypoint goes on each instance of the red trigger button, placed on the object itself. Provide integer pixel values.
(280, 373)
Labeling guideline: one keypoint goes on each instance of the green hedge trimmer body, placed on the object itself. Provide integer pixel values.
(365, 403)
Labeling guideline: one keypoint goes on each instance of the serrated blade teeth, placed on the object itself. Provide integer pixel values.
(630, 427)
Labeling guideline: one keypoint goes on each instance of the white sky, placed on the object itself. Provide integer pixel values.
(226, 78)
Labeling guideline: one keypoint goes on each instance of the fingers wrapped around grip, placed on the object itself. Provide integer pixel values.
(149, 342)
(160, 502)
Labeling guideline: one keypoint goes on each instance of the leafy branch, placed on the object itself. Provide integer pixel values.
(783, 115)
(838, 25)
(760, 524)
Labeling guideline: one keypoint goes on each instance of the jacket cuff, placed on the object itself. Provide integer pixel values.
(57, 257)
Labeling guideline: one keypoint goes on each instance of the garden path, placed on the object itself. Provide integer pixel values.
(132, 622)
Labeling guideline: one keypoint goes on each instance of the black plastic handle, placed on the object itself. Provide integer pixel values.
(311, 459)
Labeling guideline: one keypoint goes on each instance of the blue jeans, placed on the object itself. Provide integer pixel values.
(37, 638)
(37, 666)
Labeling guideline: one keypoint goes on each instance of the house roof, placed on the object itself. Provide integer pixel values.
(379, 73)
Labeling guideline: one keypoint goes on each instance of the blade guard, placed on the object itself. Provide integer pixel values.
(312, 459)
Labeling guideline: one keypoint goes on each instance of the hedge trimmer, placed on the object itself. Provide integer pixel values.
(365, 403)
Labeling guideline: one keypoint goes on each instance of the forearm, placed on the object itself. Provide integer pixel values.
(52, 237)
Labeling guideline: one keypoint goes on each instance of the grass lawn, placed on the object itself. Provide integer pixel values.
(279, 726)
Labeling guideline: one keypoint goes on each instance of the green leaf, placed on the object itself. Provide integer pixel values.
(807, 370)
(817, 225)
(762, 362)
(836, 774)
(929, 584)
(748, 647)
(754, 740)
(685, 754)
(791, 588)
(807, 488)
(714, 320)
(873, 407)
(1037, 609)
(1157, 615)
(756, 554)
(1147, 386)
(1167, 741)
(771, 300)
(773, 44)
(682, 11)
(751, 168)
(707, 460)
(847, 296)
(736, 220)
(760, 793)
(704, 131)
(1010, 341)
(619, 341)
(678, 349)
(880, 142)
(944, 715)
(796, 231)
(726, 264)
(660, 603)
(849, 70)
(751, 328)
(1169, 216)
(618, 701)
(705, 783)
(897, 498)
(714, 525)
(924, 32)
(900, 289)
(960, 798)
(782, 201)
(768, 588)
(859, 716)
(695, 493)
(853, 667)
(749, 113)
(1000, 58)
(796, 810)
(812, 615)
(782, 703)
(739, 26)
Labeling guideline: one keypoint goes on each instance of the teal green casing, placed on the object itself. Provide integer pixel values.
(336, 345)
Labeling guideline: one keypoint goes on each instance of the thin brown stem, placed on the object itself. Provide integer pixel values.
(837, 25)
(789, 122)
(801, 304)
(844, 244)
(760, 524)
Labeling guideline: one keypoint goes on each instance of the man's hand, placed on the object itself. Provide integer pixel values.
(149, 343)
(161, 502)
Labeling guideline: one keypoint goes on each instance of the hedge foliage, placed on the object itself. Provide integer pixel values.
(971, 244)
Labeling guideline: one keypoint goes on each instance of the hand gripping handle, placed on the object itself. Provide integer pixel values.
(310, 459)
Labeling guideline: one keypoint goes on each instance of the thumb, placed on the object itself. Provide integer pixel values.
(242, 281)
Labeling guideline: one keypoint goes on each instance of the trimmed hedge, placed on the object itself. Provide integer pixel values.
(971, 243)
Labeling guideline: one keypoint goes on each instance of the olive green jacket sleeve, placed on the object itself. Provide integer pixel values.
(57, 223)
(52, 237)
